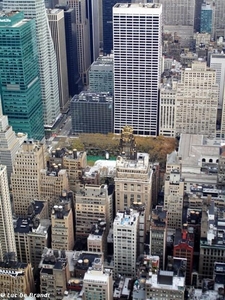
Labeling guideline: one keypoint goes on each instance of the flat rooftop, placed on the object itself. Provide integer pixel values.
(138, 5)
(141, 163)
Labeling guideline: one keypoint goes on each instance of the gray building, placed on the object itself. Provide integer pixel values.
(92, 113)
(101, 75)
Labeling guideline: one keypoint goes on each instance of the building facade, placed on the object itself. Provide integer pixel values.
(6, 222)
(20, 84)
(206, 18)
(46, 56)
(137, 30)
(125, 237)
(25, 179)
(92, 113)
(101, 75)
(57, 26)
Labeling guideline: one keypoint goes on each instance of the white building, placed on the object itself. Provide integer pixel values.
(7, 237)
(9, 144)
(125, 237)
(217, 62)
(137, 30)
(46, 54)
(97, 283)
(57, 26)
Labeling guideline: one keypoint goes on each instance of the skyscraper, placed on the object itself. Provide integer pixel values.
(20, 84)
(137, 66)
(71, 50)
(219, 25)
(57, 27)
(7, 237)
(46, 54)
(107, 6)
(206, 18)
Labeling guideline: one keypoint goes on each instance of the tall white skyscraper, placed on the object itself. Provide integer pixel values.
(137, 30)
(46, 54)
(7, 238)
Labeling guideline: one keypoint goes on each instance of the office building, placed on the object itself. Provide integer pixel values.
(57, 26)
(25, 179)
(20, 84)
(53, 182)
(158, 234)
(71, 50)
(217, 62)
(219, 20)
(54, 273)
(92, 113)
(93, 202)
(197, 100)
(107, 7)
(101, 75)
(221, 169)
(97, 239)
(62, 225)
(6, 223)
(46, 56)
(32, 233)
(97, 282)
(9, 144)
(206, 18)
(137, 30)
(184, 248)
(219, 275)
(16, 277)
(125, 237)
(83, 36)
(173, 191)
(93, 17)
(133, 178)
(179, 18)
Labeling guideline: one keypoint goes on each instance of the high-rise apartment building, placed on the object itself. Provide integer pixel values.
(57, 26)
(9, 144)
(137, 30)
(92, 113)
(16, 278)
(53, 182)
(83, 36)
(107, 7)
(97, 282)
(20, 84)
(62, 226)
(133, 179)
(46, 55)
(25, 179)
(206, 18)
(125, 240)
(7, 237)
(71, 50)
(158, 234)
(101, 75)
(174, 191)
(93, 202)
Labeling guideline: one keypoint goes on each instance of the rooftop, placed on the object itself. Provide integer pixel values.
(87, 96)
(141, 163)
(125, 219)
(177, 283)
(137, 5)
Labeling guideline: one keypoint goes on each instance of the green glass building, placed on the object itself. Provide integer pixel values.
(19, 75)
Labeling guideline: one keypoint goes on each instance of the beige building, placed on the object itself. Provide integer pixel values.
(97, 282)
(54, 274)
(73, 161)
(25, 179)
(97, 239)
(52, 183)
(190, 106)
(62, 226)
(16, 278)
(7, 239)
(173, 191)
(32, 234)
(57, 26)
(93, 202)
